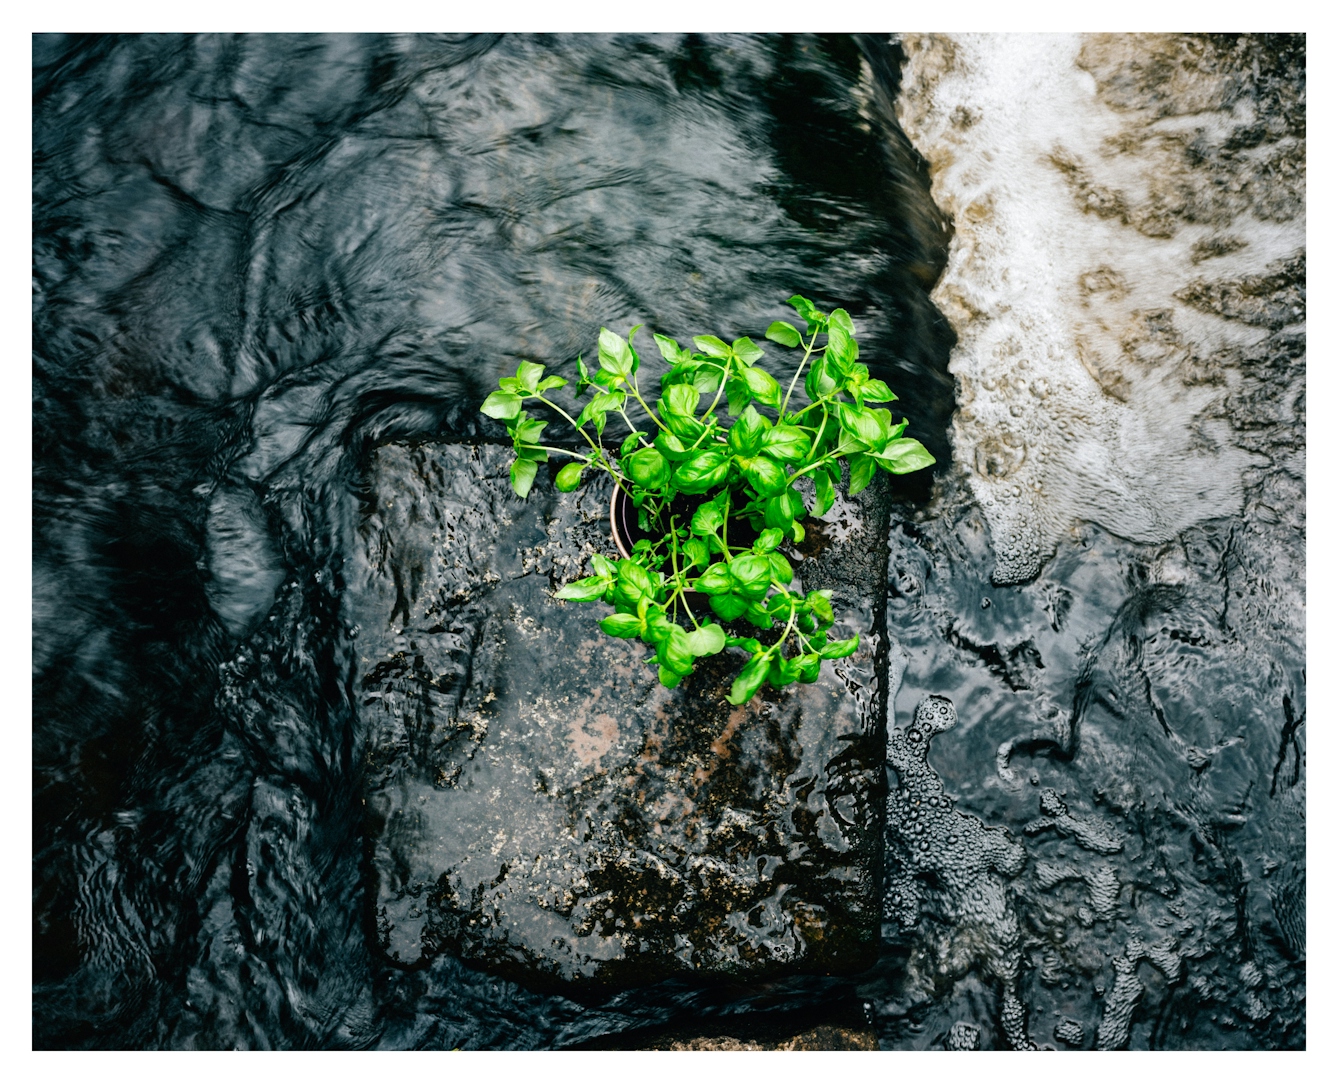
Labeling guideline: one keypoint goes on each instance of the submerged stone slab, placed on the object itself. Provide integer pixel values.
(539, 805)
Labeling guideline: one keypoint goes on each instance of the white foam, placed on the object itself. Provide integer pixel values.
(1082, 390)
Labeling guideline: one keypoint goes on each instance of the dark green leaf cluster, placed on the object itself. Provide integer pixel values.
(739, 472)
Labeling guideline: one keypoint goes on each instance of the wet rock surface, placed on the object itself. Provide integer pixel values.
(540, 806)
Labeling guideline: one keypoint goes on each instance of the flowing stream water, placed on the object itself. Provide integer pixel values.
(258, 259)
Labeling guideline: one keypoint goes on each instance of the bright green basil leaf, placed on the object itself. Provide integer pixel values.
(696, 554)
(708, 639)
(749, 680)
(603, 566)
(818, 383)
(529, 431)
(884, 419)
(784, 333)
(841, 648)
(532, 454)
(861, 425)
(786, 443)
(768, 540)
(841, 318)
(810, 665)
(746, 435)
(607, 400)
(841, 350)
(779, 512)
(550, 382)
(861, 472)
(708, 518)
(748, 644)
(737, 395)
(728, 606)
(819, 603)
(746, 350)
(522, 476)
(765, 475)
(715, 580)
(501, 405)
(780, 568)
(703, 472)
(596, 408)
(622, 625)
(764, 388)
(630, 443)
(680, 400)
(569, 477)
(706, 378)
(584, 590)
(647, 468)
(670, 350)
(816, 319)
(634, 583)
(529, 374)
(826, 493)
(669, 678)
(757, 615)
(904, 455)
(674, 652)
(687, 429)
(783, 671)
(797, 529)
(658, 628)
(672, 448)
(751, 574)
(615, 355)
(711, 346)
(877, 391)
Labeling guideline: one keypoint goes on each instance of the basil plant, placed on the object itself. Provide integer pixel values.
(738, 473)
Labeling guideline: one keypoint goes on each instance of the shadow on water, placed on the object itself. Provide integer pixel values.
(254, 260)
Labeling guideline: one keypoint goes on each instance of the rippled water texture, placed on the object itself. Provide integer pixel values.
(258, 259)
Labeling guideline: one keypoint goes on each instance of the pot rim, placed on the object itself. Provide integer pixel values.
(620, 543)
(613, 524)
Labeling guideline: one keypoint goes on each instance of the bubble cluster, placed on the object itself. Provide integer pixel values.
(1088, 834)
(1124, 995)
(951, 859)
(962, 1036)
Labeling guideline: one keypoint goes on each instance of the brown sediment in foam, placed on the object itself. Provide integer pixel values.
(1129, 216)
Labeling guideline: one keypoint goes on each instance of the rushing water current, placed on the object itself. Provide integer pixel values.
(258, 259)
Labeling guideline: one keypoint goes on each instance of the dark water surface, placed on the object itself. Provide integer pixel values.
(258, 258)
